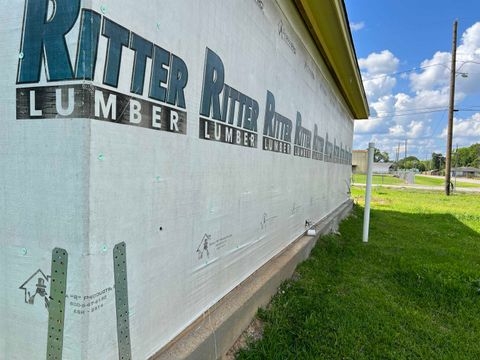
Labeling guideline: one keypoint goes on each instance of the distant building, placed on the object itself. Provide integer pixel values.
(382, 167)
(360, 164)
(359, 161)
(466, 171)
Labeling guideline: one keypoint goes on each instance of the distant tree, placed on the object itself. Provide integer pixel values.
(438, 161)
(467, 156)
(410, 162)
(427, 164)
(379, 156)
(421, 166)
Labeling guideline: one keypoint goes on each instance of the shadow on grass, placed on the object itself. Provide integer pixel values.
(412, 292)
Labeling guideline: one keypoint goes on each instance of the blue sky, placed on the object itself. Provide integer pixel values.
(404, 55)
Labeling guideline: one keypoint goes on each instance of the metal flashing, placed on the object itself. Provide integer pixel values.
(121, 301)
(56, 308)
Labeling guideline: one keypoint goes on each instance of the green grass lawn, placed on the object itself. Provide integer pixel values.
(412, 292)
(377, 179)
(425, 180)
(419, 180)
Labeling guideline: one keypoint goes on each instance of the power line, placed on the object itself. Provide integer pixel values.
(440, 122)
(406, 114)
(400, 72)
(406, 111)
(420, 110)
(467, 62)
(394, 115)
(419, 68)
(470, 107)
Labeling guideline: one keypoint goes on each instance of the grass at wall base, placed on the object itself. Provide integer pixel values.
(412, 292)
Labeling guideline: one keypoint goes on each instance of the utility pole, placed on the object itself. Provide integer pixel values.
(406, 142)
(448, 164)
(398, 153)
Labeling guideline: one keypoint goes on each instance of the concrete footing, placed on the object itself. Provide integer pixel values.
(212, 335)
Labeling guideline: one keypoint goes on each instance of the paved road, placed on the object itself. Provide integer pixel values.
(421, 187)
(460, 179)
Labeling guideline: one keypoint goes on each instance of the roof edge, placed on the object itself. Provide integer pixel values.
(337, 49)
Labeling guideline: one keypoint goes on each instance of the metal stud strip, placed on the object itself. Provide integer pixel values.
(56, 308)
(121, 301)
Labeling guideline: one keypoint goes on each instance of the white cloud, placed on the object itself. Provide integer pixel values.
(375, 69)
(379, 63)
(378, 87)
(470, 40)
(465, 128)
(421, 105)
(357, 26)
(436, 72)
(397, 131)
(384, 106)
(416, 114)
(418, 129)
(369, 126)
(402, 108)
(468, 57)
(422, 148)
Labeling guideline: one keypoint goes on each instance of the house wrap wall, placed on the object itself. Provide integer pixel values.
(200, 134)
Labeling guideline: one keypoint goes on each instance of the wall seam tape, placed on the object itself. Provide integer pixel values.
(121, 301)
(56, 308)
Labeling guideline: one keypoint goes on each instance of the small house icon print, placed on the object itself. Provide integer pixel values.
(203, 247)
(36, 286)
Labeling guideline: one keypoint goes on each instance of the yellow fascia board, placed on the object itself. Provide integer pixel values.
(328, 24)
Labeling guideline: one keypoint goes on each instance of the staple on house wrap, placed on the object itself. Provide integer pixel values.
(121, 301)
(56, 308)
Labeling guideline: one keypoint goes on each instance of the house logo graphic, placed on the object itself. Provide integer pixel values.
(203, 246)
(35, 287)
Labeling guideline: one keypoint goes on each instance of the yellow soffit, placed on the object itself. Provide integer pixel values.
(328, 24)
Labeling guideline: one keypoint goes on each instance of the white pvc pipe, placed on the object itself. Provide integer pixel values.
(368, 192)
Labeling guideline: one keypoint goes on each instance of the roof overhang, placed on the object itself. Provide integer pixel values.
(327, 22)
